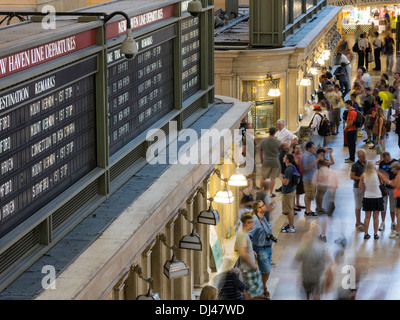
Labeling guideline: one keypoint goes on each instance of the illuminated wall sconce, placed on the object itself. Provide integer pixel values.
(209, 216)
(313, 71)
(305, 82)
(224, 196)
(274, 92)
(191, 241)
(149, 295)
(173, 268)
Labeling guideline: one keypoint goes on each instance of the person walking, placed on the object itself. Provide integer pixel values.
(263, 195)
(377, 45)
(395, 183)
(373, 200)
(362, 47)
(357, 169)
(261, 241)
(388, 50)
(341, 76)
(368, 103)
(379, 132)
(269, 155)
(351, 131)
(385, 166)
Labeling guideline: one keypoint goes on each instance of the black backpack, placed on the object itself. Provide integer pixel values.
(355, 47)
(359, 120)
(324, 128)
(295, 177)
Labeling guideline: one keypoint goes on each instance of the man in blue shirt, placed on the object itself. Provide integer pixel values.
(288, 192)
(341, 75)
(261, 245)
(310, 160)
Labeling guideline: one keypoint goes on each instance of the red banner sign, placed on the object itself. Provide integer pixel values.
(22, 60)
(117, 28)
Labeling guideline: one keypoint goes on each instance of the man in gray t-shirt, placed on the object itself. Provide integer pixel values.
(270, 148)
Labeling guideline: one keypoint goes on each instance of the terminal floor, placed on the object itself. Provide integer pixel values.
(380, 259)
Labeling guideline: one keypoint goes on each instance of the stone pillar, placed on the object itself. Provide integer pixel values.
(291, 106)
(159, 256)
(201, 263)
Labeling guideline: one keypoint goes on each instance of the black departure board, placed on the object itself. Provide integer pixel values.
(190, 56)
(47, 139)
(140, 91)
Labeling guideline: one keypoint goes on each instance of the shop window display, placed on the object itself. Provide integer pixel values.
(265, 111)
(365, 16)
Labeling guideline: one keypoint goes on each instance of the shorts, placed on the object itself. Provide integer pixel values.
(264, 258)
(268, 172)
(253, 283)
(397, 202)
(288, 201)
(300, 186)
(373, 204)
(358, 197)
(392, 200)
(336, 117)
(309, 190)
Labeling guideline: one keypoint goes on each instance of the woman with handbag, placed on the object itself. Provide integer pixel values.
(373, 200)
(379, 131)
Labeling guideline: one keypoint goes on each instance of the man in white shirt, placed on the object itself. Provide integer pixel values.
(284, 135)
(362, 46)
(377, 44)
(345, 60)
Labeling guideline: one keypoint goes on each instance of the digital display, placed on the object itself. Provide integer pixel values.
(140, 91)
(47, 139)
(190, 56)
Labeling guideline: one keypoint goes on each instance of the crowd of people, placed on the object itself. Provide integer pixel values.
(307, 170)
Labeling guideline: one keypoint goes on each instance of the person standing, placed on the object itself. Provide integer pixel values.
(247, 260)
(288, 192)
(317, 139)
(269, 155)
(351, 131)
(357, 169)
(346, 61)
(284, 135)
(262, 245)
(373, 200)
(362, 47)
(377, 45)
(298, 163)
(385, 166)
(368, 103)
(341, 75)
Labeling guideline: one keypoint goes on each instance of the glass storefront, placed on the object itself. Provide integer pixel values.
(365, 16)
(265, 111)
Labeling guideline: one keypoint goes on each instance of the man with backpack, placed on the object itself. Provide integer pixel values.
(319, 127)
(290, 178)
(351, 131)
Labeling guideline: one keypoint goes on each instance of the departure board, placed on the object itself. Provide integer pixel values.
(190, 56)
(47, 139)
(141, 90)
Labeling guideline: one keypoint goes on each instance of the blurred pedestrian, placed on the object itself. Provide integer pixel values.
(288, 192)
(264, 196)
(208, 293)
(377, 45)
(231, 287)
(313, 260)
(298, 163)
(357, 169)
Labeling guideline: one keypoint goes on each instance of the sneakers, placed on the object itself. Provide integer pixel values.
(348, 161)
(367, 236)
(310, 214)
(394, 235)
(382, 227)
(376, 237)
(322, 238)
(367, 141)
(393, 226)
(288, 229)
(321, 211)
(360, 227)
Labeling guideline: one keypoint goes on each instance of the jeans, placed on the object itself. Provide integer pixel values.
(377, 54)
(389, 63)
(351, 142)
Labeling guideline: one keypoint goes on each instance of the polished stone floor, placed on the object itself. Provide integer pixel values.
(379, 259)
